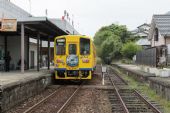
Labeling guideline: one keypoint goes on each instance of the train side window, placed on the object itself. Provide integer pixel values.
(60, 46)
(72, 49)
(84, 46)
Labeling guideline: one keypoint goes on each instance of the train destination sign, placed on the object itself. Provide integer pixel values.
(8, 25)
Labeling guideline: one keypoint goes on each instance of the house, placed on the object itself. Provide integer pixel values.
(159, 34)
(142, 31)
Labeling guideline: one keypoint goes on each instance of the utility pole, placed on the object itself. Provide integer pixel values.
(46, 12)
(30, 5)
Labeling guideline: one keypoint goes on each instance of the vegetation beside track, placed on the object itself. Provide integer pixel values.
(115, 41)
(146, 90)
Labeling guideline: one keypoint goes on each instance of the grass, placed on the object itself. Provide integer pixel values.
(146, 90)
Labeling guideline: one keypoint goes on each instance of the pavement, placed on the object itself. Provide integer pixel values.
(137, 68)
(130, 66)
(14, 77)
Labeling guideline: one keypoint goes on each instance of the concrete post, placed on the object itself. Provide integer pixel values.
(38, 52)
(22, 47)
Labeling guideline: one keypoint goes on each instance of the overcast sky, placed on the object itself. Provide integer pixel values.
(90, 15)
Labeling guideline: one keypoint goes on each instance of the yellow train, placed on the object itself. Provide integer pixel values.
(74, 57)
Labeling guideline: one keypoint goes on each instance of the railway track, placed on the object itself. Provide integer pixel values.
(127, 100)
(56, 102)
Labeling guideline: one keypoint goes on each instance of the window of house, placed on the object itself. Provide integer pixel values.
(60, 46)
(84, 46)
(156, 35)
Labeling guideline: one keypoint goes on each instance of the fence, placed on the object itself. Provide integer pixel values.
(148, 57)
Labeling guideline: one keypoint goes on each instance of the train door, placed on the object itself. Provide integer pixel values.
(72, 57)
(85, 53)
(72, 60)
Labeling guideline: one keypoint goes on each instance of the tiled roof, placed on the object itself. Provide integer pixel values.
(162, 22)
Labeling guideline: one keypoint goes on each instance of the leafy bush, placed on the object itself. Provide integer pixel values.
(126, 61)
(130, 49)
(99, 61)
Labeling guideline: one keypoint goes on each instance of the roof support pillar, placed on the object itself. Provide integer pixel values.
(22, 47)
(28, 49)
(48, 53)
(38, 52)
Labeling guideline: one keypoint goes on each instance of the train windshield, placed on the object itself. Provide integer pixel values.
(84, 46)
(72, 49)
(60, 46)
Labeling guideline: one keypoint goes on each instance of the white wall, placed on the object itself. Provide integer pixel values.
(14, 47)
(33, 47)
(161, 41)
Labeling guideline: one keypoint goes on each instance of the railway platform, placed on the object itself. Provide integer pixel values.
(160, 84)
(16, 87)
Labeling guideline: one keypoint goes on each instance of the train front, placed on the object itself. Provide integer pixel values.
(73, 57)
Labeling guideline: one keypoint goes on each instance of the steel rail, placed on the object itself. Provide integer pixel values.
(64, 106)
(117, 74)
(29, 110)
(154, 109)
(120, 98)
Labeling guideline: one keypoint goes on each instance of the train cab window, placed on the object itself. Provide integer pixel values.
(84, 46)
(60, 46)
(72, 49)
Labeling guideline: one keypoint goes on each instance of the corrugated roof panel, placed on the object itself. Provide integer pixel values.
(143, 41)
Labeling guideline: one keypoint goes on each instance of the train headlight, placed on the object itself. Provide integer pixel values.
(59, 61)
(85, 60)
(72, 60)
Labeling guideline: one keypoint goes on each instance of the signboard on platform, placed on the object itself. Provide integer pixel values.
(8, 25)
(104, 69)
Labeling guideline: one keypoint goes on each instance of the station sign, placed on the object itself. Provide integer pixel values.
(8, 25)
(104, 69)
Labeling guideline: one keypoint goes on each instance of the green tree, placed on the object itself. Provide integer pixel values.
(104, 32)
(130, 49)
(121, 31)
(101, 36)
(109, 40)
(110, 47)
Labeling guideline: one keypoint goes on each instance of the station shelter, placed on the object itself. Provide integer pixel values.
(24, 53)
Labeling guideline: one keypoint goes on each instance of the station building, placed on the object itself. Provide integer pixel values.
(26, 44)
